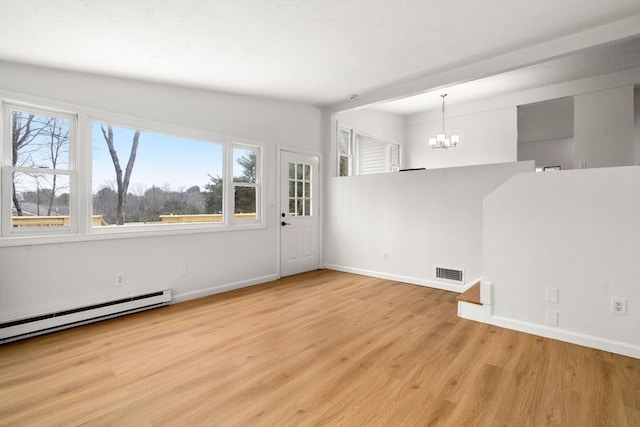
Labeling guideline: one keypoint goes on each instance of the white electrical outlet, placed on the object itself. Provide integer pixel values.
(183, 270)
(385, 256)
(551, 318)
(120, 279)
(619, 306)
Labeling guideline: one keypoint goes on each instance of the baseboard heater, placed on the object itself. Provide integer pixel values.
(14, 330)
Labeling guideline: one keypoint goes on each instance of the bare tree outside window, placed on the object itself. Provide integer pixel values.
(122, 181)
(40, 152)
(56, 134)
(25, 129)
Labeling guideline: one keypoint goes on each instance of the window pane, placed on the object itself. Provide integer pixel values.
(299, 173)
(343, 141)
(344, 166)
(395, 154)
(307, 189)
(171, 180)
(298, 189)
(307, 172)
(292, 207)
(292, 170)
(245, 204)
(307, 207)
(244, 165)
(292, 189)
(41, 141)
(300, 206)
(41, 200)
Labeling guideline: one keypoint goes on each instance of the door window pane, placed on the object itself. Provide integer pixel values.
(300, 190)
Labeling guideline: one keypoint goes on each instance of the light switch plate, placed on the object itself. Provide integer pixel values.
(552, 295)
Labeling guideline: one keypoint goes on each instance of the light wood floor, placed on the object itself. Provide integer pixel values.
(323, 348)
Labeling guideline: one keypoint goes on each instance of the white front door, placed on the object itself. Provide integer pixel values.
(299, 223)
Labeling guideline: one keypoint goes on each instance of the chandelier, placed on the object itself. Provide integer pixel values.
(441, 140)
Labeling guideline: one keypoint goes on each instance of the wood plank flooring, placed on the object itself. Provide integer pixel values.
(322, 348)
(471, 295)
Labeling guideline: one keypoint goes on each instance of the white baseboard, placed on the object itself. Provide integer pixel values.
(186, 296)
(604, 344)
(398, 278)
(470, 311)
(598, 343)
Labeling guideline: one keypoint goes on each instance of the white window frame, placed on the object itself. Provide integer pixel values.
(80, 172)
(350, 149)
(355, 147)
(230, 185)
(6, 180)
(393, 166)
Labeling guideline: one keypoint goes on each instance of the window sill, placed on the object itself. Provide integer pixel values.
(133, 232)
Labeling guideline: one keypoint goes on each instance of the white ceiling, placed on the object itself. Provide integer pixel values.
(316, 52)
(586, 63)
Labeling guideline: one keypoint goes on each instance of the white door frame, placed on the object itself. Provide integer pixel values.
(280, 208)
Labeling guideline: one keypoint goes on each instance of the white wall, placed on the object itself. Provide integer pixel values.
(422, 219)
(383, 125)
(604, 129)
(545, 133)
(577, 231)
(559, 152)
(547, 120)
(636, 122)
(488, 128)
(42, 278)
(485, 137)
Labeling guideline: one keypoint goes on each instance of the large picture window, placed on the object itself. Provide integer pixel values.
(141, 177)
(124, 176)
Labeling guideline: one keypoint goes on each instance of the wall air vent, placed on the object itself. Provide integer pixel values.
(449, 274)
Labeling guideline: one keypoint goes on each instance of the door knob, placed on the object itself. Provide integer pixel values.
(285, 223)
